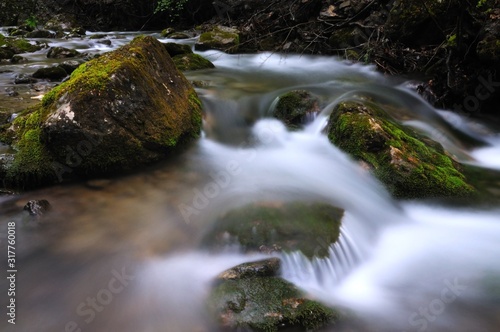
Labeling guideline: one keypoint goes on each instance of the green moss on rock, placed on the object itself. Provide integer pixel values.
(125, 109)
(191, 61)
(286, 226)
(408, 165)
(220, 38)
(265, 303)
(294, 107)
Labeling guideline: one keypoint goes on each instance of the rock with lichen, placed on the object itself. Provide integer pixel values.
(410, 165)
(251, 296)
(116, 113)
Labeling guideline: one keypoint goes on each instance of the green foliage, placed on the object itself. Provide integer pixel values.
(172, 7)
(481, 3)
(31, 22)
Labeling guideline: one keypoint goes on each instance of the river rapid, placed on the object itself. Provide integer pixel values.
(125, 254)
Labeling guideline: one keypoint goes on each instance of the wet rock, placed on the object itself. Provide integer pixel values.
(296, 108)
(70, 65)
(97, 36)
(37, 207)
(168, 31)
(286, 226)
(18, 59)
(115, 114)
(18, 33)
(11, 92)
(178, 35)
(255, 299)
(55, 73)
(23, 79)
(264, 268)
(16, 46)
(40, 34)
(409, 165)
(6, 52)
(191, 61)
(61, 53)
(177, 49)
(220, 38)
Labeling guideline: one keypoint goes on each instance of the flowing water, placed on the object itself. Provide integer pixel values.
(134, 243)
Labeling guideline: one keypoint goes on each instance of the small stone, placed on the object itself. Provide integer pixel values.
(37, 207)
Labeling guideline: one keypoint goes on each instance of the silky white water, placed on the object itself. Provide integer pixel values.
(398, 266)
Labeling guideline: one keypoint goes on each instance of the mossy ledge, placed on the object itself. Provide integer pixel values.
(116, 113)
(409, 165)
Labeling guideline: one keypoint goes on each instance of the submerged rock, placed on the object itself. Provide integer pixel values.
(264, 302)
(220, 38)
(308, 227)
(125, 109)
(409, 165)
(296, 107)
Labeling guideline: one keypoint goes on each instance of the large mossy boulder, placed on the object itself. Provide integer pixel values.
(296, 108)
(410, 165)
(274, 226)
(251, 296)
(116, 113)
(219, 38)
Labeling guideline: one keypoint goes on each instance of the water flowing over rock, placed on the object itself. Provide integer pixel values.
(263, 301)
(296, 108)
(275, 226)
(409, 165)
(116, 113)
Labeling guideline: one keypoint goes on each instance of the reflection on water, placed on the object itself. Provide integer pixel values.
(122, 254)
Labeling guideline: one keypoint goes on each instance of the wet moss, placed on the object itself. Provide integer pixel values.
(191, 61)
(398, 156)
(292, 108)
(308, 227)
(32, 162)
(266, 304)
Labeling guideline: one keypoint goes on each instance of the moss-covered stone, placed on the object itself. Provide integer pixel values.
(118, 112)
(177, 49)
(265, 303)
(220, 38)
(409, 165)
(282, 226)
(296, 107)
(191, 61)
(11, 46)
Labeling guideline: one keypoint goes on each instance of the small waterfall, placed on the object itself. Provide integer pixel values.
(324, 273)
